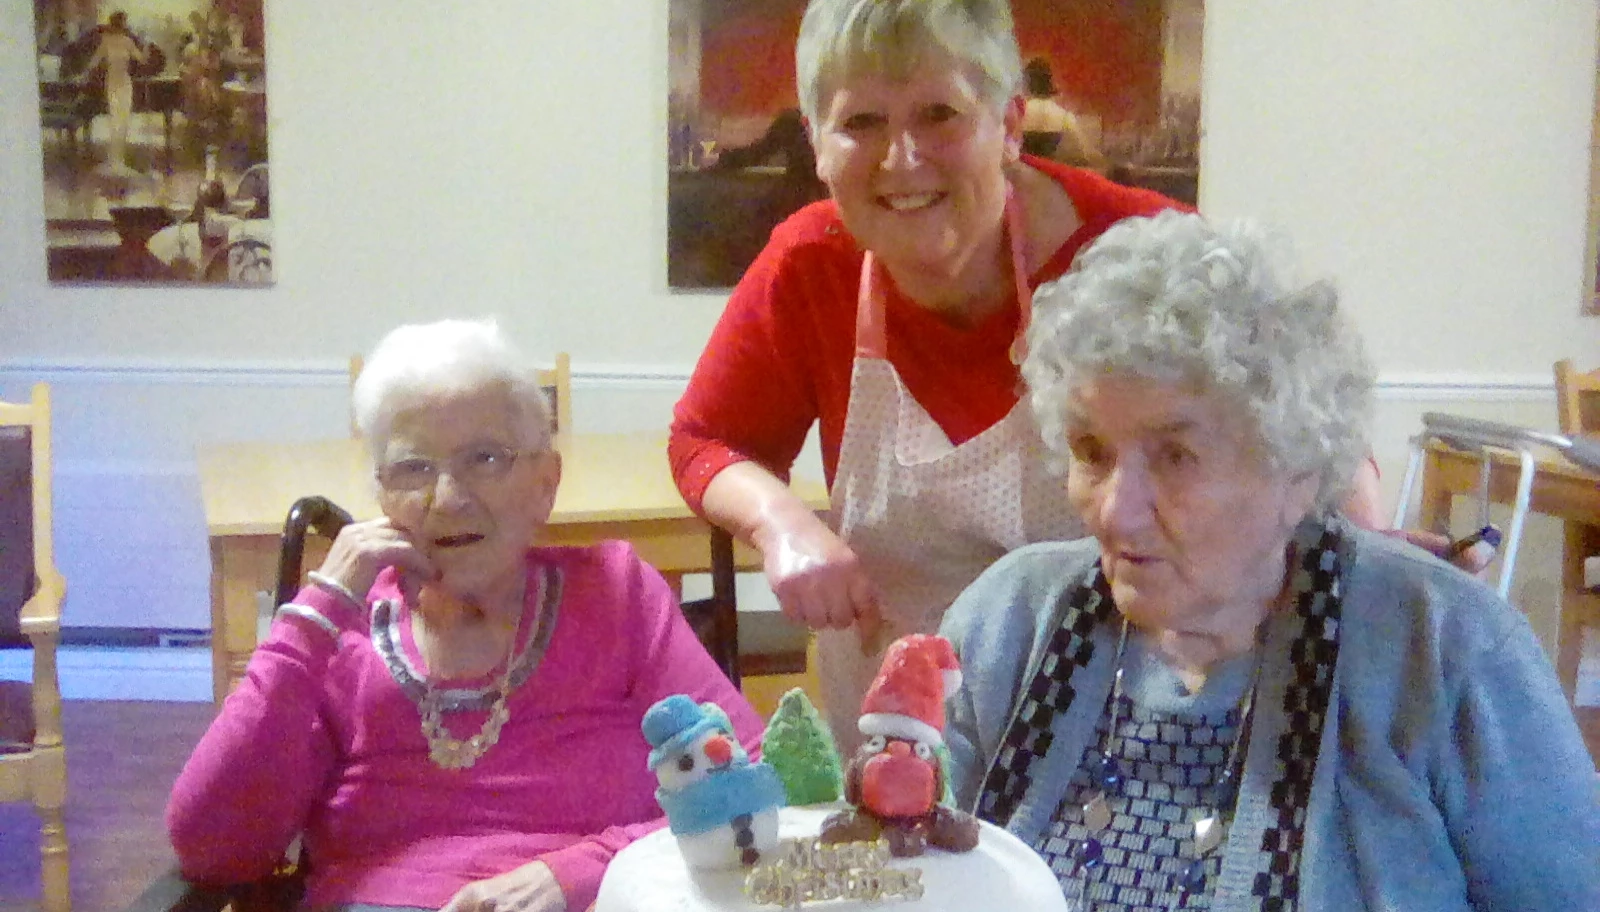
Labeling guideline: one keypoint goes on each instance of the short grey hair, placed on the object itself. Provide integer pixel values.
(421, 361)
(1176, 299)
(840, 39)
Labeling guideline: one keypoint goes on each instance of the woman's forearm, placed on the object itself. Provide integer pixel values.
(247, 789)
(753, 505)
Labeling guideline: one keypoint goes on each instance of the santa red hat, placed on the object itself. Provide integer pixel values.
(906, 699)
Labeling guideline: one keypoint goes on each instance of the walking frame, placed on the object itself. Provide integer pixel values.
(1484, 438)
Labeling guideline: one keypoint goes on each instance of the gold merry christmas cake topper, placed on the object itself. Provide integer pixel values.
(805, 871)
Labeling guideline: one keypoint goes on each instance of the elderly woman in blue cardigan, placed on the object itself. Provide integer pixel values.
(1229, 698)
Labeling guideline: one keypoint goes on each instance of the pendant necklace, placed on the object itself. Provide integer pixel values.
(449, 752)
(1210, 828)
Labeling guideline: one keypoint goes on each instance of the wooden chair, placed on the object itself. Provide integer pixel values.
(556, 381)
(33, 764)
(715, 620)
(1577, 399)
(356, 364)
(1578, 413)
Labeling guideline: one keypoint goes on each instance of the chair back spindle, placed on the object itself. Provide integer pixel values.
(1577, 399)
(33, 764)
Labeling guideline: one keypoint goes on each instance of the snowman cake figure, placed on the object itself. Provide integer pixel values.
(722, 808)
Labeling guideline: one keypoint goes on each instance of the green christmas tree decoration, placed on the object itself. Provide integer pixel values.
(946, 764)
(798, 746)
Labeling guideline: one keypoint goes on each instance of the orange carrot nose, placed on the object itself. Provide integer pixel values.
(718, 750)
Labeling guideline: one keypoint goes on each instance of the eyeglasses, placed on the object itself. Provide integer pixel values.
(473, 466)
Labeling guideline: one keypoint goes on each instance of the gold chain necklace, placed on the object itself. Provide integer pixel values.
(449, 752)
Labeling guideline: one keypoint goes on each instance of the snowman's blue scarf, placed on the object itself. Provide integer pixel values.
(720, 797)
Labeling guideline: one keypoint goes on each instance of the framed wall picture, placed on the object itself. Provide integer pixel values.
(153, 123)
(1591, 297)
(1114, 87)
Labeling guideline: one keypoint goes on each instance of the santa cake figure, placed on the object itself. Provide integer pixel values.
(896, 779)
(722, 808)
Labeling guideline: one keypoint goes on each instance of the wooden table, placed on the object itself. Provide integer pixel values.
(1560, 489)
(612, 486)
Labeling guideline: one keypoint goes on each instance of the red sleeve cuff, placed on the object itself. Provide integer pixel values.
(695, 462)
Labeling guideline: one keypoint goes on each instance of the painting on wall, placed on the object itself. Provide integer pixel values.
(1591, 300)
(1114, 87)
(153, 130)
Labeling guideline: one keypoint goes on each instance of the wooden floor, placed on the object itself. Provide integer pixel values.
(121, 761)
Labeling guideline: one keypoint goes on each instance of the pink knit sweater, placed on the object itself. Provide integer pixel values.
(323, 737)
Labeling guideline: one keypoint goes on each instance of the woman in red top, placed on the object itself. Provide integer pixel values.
(889, 313)
(937, 231)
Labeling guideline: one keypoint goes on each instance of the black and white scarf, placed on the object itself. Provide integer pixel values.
(1317, 599)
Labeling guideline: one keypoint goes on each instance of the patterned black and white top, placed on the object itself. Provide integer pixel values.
(1172, 748)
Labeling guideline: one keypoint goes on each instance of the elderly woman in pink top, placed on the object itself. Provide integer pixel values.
(447, 715)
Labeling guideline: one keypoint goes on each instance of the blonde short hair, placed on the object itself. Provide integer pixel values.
(842, 38)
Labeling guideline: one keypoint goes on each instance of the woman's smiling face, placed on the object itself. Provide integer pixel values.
(916, 165)
(1193, 521)
(488, 496)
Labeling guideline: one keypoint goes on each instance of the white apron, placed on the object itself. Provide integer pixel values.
(925, 517)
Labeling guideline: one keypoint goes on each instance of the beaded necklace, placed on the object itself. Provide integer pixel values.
(449, 752)
(1210, 829)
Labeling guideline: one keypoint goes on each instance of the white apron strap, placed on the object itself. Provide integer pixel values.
(871, 334)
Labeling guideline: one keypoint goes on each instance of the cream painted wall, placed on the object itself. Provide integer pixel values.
(1431, 154)
(502, 156)
(497, 155)
(428, 159)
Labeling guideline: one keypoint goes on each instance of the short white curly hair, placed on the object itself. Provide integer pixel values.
(421, 361)
(1175, 299)
(842, 38)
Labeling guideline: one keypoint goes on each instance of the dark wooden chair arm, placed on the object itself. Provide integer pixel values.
(716, 619)
(170, 892)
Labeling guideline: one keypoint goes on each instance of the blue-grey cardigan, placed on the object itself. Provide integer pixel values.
(1450, 772)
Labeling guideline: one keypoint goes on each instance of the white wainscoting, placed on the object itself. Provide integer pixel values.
(106, 673)
(131, 539)
(130, 534)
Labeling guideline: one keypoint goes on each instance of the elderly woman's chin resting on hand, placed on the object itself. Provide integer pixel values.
(448, 715)
(1230, 693)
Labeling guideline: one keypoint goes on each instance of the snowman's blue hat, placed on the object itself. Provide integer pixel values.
(676, 721)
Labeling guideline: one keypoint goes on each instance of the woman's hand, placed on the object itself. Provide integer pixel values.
(363, 549)
(817, 577)
(1473, 560)
(530, 888)
(1364, 507)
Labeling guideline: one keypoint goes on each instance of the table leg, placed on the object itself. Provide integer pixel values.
(1580, 610)
(1435, 506)
(240, 568)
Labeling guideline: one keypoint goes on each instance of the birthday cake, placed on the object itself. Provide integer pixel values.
(1001, 873)
(747, 835)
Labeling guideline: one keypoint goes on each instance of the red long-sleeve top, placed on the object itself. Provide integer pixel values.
(780, 357)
